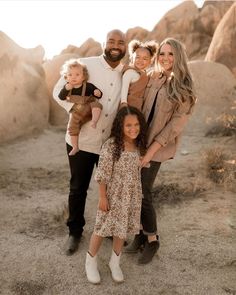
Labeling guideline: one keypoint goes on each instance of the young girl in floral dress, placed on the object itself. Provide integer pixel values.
(120, 193)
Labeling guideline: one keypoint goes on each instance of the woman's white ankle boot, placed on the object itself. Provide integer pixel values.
(114, 265)
(91, 269)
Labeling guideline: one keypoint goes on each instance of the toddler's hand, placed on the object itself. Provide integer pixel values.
(68, 86)
(97, 93)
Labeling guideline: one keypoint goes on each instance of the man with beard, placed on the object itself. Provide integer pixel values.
(105, 73)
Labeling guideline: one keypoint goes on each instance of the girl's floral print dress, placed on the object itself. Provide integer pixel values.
(124, 193)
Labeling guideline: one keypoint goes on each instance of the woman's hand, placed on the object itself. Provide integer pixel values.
(154, 147)
(145, 161)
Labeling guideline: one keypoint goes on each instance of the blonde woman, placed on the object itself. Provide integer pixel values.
(169, 100)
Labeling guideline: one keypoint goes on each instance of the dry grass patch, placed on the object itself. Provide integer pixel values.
(173, 193)
(225, 125)
(62, 214)
(28, 288)
(220, 166)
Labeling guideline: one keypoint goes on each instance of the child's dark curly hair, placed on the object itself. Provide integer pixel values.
(151, 46)
(118, 134)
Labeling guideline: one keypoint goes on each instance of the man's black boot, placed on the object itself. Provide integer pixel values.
(137, 243)
(72, 245)
(149, 251)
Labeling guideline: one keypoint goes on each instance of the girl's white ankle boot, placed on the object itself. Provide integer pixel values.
(91, 269)
(114, 265)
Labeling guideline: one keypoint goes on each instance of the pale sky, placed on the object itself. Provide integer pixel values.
(56, 24)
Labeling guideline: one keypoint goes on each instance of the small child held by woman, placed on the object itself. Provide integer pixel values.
(120, 193)
(84, 95)
(135, 77)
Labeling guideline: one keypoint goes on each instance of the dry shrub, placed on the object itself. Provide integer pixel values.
(28, 287)
(62, 214)
(173, 193)
(220, 167)
(225, 125)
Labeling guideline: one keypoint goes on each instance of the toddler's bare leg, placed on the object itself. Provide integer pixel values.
(95, 116)
(75, 146)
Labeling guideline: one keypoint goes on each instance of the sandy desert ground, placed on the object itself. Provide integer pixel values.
(196, 218)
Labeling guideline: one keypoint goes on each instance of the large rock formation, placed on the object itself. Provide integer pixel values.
(32, 55)
(223, 45)
(211, 14)
(137, 33)
(58, 115)
(190, 25)
(216, 91)
(24, 103)
(88, 48)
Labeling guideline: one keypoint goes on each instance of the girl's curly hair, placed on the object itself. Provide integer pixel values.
(151, 46)
(117, 131)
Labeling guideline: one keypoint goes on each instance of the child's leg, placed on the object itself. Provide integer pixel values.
(95, 116)
(91, 267)
(74, 142)
(114, 262)
(95, 243)
(117, 245)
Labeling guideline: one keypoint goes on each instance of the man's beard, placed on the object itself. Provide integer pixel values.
(113, 58)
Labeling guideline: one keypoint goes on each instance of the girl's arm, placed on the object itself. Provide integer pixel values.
(103, 203)
(128, 77)
(103, 174)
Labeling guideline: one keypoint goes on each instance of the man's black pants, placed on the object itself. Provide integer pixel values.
(81, 168)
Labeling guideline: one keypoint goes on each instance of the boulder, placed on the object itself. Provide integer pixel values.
(137, 33)
(31, 55)
(216, 90)
(52, 68)
(192, 25)
(89, 48)
(24, 100)
(211, 14)
(223, 45)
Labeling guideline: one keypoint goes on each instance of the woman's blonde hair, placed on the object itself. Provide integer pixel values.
(74, 63)
(180, 83)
